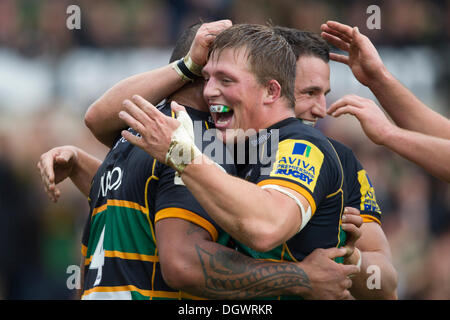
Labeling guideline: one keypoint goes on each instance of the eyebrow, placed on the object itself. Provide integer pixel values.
(314, 88)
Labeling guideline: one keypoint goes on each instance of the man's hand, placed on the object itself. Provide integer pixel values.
(328, 279)
(204, 37)
(373, 120)
(55, 166)
(363, 58)
(351, 224)
(168, 140)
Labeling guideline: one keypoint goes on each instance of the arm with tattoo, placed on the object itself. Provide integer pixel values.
(191, 262)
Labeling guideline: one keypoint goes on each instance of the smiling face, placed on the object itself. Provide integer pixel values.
(229, 81)
(312, 83)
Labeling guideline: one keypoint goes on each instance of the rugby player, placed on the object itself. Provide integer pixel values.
(291, 206)
(311, 86)
(113, 260)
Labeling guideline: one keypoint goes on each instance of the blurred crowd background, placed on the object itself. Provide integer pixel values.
(49, 75)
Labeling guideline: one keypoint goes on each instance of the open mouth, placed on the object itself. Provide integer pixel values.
(222, 115)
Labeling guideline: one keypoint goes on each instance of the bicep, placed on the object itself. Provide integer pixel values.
(373, 239)
(176, 238)
(293, 208)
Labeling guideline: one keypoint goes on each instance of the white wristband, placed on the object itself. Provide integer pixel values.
(358, 264)
(182, 149)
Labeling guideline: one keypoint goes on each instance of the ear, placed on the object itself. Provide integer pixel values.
(273, 91)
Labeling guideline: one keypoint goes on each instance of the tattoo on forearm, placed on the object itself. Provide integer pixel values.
(230, 275)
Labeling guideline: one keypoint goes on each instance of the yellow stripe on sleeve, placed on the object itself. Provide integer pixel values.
(368, 218)
(189, 216)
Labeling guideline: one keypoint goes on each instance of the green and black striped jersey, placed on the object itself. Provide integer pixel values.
(129, 193)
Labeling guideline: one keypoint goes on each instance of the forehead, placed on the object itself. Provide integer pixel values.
(227, 60)
(312, 71)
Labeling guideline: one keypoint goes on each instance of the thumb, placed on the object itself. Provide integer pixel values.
(176, 107)
(183, 118)
(357, 36)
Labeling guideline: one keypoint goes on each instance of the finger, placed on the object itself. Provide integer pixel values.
(345, 100)
(341, 28)
(351, 210)
(335, 41)
(346, 109)
(48, 169)
(347, 283)
(145, 106)
(339, 58)
(135, 112)
(137, 141)
(350, 269)
(358, 37)
(342, 36)
(131, 122)
(353, 234)
(352, 219)
(335, 252)
(347, 295)
(217, 26)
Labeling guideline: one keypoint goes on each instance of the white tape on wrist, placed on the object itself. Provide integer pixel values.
(358, 264)
(182, 149)
(306, 214)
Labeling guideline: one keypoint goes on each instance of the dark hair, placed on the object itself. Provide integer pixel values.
(305, 43)
(184, 42)
(269, 55)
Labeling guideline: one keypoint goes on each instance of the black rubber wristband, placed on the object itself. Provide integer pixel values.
(182, 66)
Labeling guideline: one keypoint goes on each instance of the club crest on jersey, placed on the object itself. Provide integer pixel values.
(298, 160)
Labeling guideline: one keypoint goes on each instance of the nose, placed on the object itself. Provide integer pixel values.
(210, 89)
(320, 109)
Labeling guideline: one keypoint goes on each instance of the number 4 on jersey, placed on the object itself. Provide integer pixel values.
(98, 259)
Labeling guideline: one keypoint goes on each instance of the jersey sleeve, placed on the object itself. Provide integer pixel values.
(309, 168)
(174, 200)
(360, 191)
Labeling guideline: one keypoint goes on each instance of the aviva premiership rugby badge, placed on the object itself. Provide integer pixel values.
(299, 161)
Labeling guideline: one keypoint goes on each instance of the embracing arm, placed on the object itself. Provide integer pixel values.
(262, 219)
(155, 85)
(191, 262)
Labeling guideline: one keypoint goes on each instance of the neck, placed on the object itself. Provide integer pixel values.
(191, 95)
(276, 113)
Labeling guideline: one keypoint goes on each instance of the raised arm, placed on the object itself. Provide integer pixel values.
(64, 162)
(407, 111)
(416, 147)
(155, 85)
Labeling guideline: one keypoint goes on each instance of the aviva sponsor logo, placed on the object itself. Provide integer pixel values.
(298, 160)
(302, 149)
(368, 198)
